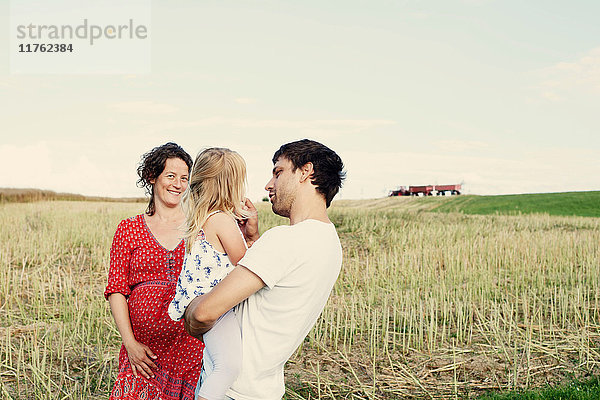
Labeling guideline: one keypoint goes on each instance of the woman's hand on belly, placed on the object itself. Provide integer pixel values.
(140, 358)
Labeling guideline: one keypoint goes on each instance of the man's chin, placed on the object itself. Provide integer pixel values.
(281, 213)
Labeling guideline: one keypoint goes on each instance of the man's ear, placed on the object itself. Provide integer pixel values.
(306, 171)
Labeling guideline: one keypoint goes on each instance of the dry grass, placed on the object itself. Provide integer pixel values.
(427, 306)
(10, 195)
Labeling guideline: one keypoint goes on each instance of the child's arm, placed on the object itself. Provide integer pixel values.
(228, 234)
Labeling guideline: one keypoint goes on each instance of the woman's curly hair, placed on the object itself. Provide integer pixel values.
(152, 165)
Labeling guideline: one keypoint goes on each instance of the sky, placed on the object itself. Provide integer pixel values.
(502, 96)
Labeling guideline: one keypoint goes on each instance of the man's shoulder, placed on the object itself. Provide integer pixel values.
(275, 233)
(312, 226)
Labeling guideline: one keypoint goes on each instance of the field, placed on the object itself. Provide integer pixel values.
(10, 195)
(428, 305)
(584, 204)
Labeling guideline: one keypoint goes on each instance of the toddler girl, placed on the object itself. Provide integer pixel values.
(214, 244)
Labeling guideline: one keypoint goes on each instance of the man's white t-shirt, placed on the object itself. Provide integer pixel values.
(299, 265)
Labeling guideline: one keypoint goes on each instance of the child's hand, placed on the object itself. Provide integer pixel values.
(249, 227)
(140, 358)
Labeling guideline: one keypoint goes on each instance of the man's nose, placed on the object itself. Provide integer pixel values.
(269, 184)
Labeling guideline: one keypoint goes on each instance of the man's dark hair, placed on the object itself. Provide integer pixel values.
(328, 167)
(153, 164)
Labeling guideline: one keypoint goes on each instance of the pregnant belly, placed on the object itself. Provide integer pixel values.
(150, 322)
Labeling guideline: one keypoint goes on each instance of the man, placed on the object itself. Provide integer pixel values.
(283, 281)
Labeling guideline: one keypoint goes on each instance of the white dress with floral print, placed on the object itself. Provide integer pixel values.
(203, 268)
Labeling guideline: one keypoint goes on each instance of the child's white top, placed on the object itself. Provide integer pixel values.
(203, 268)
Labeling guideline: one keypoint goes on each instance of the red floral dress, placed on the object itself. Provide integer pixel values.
(146, 273)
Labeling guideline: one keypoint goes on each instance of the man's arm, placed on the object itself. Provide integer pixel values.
(205, 310)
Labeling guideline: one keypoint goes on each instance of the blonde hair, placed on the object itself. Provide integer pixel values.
(217, 182)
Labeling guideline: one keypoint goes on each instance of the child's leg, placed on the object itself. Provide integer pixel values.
(223, 357)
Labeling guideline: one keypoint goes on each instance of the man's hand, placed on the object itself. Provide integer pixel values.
(249, 227)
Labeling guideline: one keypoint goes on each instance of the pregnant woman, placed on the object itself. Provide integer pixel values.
(158, 359)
